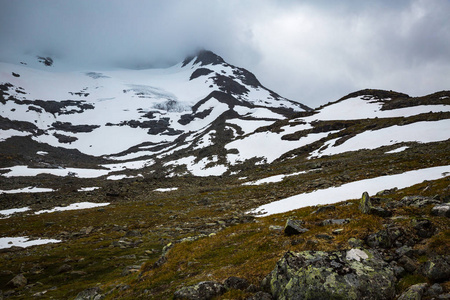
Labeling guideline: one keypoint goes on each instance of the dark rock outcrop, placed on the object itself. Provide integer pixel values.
(437, 269)
(236, 283)
(294, 227)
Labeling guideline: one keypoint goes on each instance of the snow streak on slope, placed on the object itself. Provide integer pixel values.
(23, 242)
(359, 108)
(267, 145)
(422, 132)
(352, 190)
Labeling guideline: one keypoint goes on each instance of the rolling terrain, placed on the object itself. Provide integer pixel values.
(139, 183)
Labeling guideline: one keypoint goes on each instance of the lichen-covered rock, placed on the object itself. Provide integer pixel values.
(441, 210)
(416, 201)
(424, 228)
(18, 281)
(437, 269)
(90, 294)
(384, 238)
(294, 227)
(354, 274)
(365, 204)
(414, 292)
(260, 296)
(204, 290)
(381, 212)
(236, 283)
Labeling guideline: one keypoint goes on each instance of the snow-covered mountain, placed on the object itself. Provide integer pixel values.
(202, 116)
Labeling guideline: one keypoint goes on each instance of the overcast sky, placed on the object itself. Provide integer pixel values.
(309, 51)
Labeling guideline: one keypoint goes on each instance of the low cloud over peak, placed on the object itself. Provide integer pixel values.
(313, 52)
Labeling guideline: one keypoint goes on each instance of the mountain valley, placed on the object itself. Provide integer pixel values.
(142, 184)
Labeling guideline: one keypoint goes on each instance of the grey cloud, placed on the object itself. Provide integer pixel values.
(310, 51)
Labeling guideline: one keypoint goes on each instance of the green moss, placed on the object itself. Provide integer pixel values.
(409, 280)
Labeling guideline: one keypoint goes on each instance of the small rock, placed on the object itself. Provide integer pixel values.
(17, 282)
(387, 192)
(437, 269)
(334, 222)
(404, 250)
(424, 228)
(364, 204)
(260, 296)
(441, 210)
(444, 296)
(356, 254)
(324, 236)
(338, 231)
(324, 209)
(381, 212)
(353, 242)
(399, 272)
(275, 227)
(384, 238)
(130, 270)
(294, 227)
(64, 269)
(204, 290)
(38, 294)
(252, 288)
(90, 294)
(434, 290)
(236, 283)
(414, 292)
(133, 233)
(407, 263)
(417, 201)
(297, 242)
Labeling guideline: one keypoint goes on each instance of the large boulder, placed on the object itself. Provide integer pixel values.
(354, 274)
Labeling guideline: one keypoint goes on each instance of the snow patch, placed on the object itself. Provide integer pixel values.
(88, 189)
(6, 213)
(399, 149)
(23, 241)
(272, 179)
(29, 189)
(166, 189)
(74, 206)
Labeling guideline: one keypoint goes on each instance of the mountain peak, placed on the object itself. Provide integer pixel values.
(204, 57)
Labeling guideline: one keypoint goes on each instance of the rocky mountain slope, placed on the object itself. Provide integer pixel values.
(196, 182)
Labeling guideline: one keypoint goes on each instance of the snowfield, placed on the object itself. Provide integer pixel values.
(422, 132)
(352, 190)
